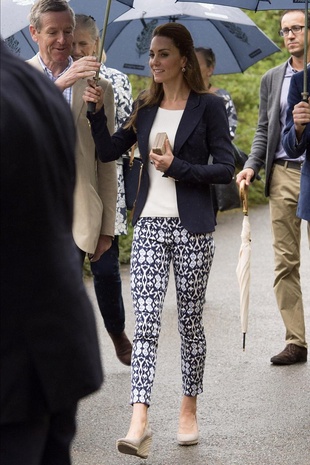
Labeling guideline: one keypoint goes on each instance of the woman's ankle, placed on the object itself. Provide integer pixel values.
(187, 419)
(188, 405)
(138, 421)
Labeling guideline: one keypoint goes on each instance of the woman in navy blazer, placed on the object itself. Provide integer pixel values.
(173, 218)
(296, 139)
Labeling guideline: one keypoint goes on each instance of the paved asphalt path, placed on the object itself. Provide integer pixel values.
(251, 412)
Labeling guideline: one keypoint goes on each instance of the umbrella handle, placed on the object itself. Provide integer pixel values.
(91, 106)
(243, 192)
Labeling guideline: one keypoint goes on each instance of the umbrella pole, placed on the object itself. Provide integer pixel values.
(305, 93)
(104, 29)
(243, 343)
(91, 106)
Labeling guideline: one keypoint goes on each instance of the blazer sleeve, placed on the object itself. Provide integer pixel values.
(109, 147)
(106, 172)
(257, 157)
(291, 146)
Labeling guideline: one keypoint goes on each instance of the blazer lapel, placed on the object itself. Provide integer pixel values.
(277, 87)
(191, 117)
(78, 103)
(147, 115)
(77, 90)
(34, 61)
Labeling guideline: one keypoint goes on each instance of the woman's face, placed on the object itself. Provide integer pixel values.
(206, 71)
(83, 44)
(165, 60)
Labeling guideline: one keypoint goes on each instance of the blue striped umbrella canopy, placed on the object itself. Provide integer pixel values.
(235, 39)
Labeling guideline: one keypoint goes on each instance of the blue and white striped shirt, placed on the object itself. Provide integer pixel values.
(67, 93)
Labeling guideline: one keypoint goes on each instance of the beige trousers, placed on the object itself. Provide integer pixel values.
(286, 230)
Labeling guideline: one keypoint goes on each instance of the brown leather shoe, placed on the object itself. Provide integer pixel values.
(122, 346)
(291, 354)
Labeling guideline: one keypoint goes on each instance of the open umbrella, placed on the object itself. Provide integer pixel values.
(260, 5)
(14, 20)
(235, 39)
(257, 5)
(14, 16)
(243, 266)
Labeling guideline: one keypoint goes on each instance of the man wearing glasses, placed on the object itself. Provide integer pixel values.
(282, 186)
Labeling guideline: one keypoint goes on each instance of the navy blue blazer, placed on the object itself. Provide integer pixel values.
(203, 131)
(293, 149)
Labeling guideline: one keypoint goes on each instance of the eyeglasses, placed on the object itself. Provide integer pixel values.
(294, 29)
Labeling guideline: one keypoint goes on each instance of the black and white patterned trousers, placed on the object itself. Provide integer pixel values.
(156, 243)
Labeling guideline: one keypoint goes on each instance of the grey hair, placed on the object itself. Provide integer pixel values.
(208, 55)
(44, 6)
(87, 22)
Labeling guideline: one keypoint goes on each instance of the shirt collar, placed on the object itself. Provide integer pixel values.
(291, 69)
(49, 72)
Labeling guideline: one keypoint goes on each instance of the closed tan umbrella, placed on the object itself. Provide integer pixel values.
(243, 268)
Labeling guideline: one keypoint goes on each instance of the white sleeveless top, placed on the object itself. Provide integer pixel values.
(161, 200)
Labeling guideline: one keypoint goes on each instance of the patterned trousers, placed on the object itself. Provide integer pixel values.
(156, 243)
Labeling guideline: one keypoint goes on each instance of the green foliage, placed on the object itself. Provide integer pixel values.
(244, 89)
(125, 245)
(87, 273)
(138, 83)
(125, 242)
